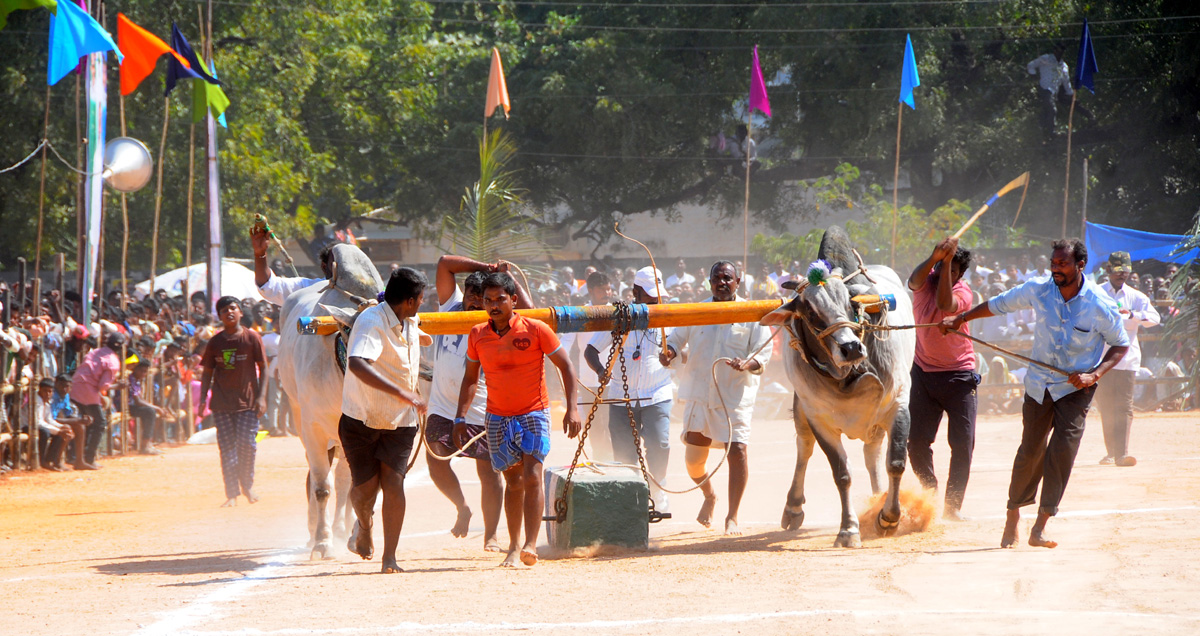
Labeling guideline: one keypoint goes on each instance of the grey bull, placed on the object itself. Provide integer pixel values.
(849, 379)
(312, 379)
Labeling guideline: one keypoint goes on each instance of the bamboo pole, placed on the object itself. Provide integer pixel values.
(60, 267)
(80, 235)
(746, 204)
(34, 453)
(1083, 219)
(162, 148)
(124, 392)
(896, 180)
(37, 258)
(1067, 184)
(600, 318)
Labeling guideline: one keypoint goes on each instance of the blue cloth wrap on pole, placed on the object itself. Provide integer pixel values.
(992, 200)
(570, 319)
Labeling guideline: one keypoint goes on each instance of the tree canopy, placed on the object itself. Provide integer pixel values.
(341, 108)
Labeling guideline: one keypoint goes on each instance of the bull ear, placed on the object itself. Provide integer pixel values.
(345, 317)
(858, 290)
(786, 312)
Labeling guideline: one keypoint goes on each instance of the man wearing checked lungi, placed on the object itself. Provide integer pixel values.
(510, 349)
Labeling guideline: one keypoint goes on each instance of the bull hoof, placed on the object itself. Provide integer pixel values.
(320, 552)
(884, 527)
(791, 520)
(848, 539)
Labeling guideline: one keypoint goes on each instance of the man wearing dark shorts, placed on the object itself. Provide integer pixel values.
(380, 404)
(943, 373)
(235, 367)
(449, 365)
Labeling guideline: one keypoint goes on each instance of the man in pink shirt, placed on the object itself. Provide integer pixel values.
(943, 373)
(97, 373)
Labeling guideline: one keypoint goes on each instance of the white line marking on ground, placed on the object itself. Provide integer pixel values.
(472, 626)
(177, 620)
(1102, 513)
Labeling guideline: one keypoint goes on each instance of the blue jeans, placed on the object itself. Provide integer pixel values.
(653, 427)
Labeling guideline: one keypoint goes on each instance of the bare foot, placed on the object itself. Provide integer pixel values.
(229, 503)
(1038, 539)
(390, 566)
(512, 559)
(732, 529)
(1012, 526)
(360, 542)
(492, 545)
(529, 556)
(253, 498)
(463, 523)
(706, 511)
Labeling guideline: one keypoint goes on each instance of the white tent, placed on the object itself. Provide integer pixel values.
(236, 280)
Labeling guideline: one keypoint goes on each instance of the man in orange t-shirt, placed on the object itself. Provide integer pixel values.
(510, 349)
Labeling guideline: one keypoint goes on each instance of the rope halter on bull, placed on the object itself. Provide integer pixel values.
(819, 273)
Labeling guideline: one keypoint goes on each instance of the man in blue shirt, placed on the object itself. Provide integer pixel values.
(1075, 320)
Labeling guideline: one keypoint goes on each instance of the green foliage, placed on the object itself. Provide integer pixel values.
(786, 247)
(1183, 330)
(490, 224)
(348, 106)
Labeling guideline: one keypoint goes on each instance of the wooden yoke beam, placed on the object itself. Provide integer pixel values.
(601, 318)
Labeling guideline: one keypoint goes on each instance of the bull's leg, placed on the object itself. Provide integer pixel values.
(316, 448)
(889, 516)
(831, 444)
(793, 510)
(873, 457)
(343, 514)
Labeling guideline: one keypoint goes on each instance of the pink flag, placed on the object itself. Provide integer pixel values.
(758, 88)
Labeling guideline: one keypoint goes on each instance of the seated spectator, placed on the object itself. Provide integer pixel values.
(52, 435)
(146, 413)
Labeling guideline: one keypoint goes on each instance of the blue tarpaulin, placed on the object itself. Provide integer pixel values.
(1103, 240)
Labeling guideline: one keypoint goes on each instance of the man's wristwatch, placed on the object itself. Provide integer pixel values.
(460, 420)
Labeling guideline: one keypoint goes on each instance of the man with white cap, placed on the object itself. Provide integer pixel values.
(744, 348)
(1116, 400)
(650, 390)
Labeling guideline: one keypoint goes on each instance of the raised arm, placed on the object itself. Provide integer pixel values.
(451, 264)
(262, 271)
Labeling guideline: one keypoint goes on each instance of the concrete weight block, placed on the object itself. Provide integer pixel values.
(610, 508)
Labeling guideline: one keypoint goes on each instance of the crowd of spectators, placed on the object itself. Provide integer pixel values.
(126, 381)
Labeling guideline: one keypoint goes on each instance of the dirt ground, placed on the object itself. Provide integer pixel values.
(142, 547)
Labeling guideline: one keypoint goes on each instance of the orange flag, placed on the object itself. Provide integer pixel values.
(497, 92)
(142, 50)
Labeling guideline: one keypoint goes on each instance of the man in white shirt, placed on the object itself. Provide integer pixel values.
(680, 276)
(449, 364)
(1116, 400)
(1052, 77)
(52, 435)
(380, 404)
(649, 384)
(276, 289)
(705, 423)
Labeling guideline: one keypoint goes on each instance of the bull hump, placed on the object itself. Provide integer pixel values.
(356, 273)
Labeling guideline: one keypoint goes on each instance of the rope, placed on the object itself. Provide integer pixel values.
(26, 159)
(45, 143)
(985, 343)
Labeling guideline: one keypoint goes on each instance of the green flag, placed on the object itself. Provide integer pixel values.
(8, 6)
(208, 96)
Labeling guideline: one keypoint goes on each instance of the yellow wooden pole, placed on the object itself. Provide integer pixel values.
(601, 318)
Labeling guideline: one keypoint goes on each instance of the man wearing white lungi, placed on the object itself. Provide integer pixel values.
(705, 423)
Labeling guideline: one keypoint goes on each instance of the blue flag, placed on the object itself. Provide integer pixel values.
(177, 71)
(1086, 67)
(74, 34)
(909, 79)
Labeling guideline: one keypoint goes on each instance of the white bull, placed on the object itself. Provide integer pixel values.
(848, 380)
(310, 375)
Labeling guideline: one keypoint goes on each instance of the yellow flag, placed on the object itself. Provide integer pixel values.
(497, 91)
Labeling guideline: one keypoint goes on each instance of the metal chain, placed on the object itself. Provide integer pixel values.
(637, 438)
(621, 323)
